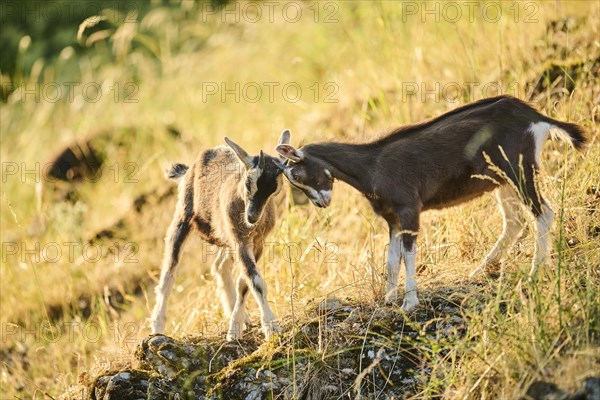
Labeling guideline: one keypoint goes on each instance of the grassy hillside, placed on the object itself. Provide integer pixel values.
(80, 257)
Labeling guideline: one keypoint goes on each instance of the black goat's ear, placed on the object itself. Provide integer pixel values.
(241, 154)
(286, 137)
(289, 152)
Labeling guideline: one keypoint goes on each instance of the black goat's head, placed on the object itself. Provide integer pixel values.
(306, 173)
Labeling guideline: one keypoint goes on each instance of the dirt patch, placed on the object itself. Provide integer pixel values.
(75, 162)
(567, 59)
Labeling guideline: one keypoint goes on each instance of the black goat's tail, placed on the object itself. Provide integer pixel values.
(576, 134)
(176, 171)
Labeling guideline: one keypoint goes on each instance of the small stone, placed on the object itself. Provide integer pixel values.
(328, 305)
(540, 390)
(269, 374)
(592, 388)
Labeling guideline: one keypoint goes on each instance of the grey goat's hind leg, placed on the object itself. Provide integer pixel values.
(237, 319)
(222, 270)
(174, 239)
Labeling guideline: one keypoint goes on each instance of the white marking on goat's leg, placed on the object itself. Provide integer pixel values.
(543, 224)
(238, 316)
(222, 269)
(411, 300)
(393, 266)
(511, 209)
(174, 239)
(267, 318)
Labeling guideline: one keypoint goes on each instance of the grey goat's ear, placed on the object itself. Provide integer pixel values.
(261, 160)
(241, 154)
(289, 152)
(286, 137)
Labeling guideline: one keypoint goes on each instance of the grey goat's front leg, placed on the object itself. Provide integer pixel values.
(257, 285)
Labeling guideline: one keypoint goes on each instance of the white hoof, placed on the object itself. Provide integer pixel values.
(391, 297)
(233, 335)
(536, 264)
(533, 274)
(477, 271)
(410, 302)
(235, 330)
(488, 268)
(270, 328)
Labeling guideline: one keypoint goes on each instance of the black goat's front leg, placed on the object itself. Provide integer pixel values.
(407, 239)
(393, 262)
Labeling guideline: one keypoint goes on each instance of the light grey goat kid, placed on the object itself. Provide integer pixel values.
(227, 196)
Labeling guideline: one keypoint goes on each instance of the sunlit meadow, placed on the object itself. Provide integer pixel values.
(80, 260)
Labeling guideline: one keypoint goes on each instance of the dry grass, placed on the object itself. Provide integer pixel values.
(548, 329)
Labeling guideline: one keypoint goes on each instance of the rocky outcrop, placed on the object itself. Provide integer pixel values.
(339, 349)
